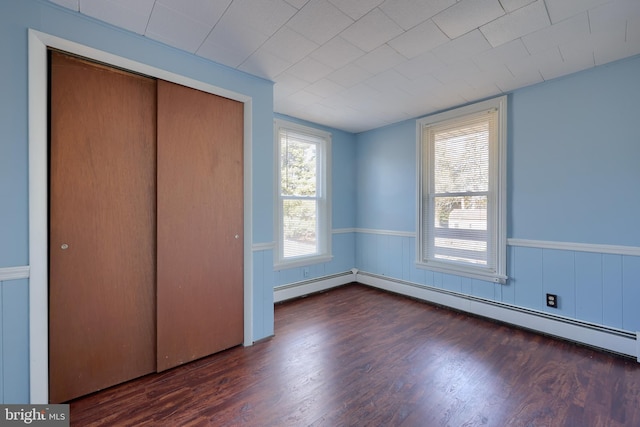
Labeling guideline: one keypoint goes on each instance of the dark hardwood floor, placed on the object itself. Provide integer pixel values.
(356, 356)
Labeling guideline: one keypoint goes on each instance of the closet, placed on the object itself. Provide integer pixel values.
(145, 225)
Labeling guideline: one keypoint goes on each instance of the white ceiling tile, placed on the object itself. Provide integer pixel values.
(324, 88)
(575, 28)
(462, 48)
(132, 16)
(577, 56)
(69, 4)
(419, 39)
(380, 59)
(354, 95)
(544, 62)
(472, 93)
(320, 112)
(356, 9)
(337, 53)
(467, 15)
(455, 71)
(204, 11)
(511, 5)
(612, 45)
(349, 75)
(498, 56)
(525, 77)
(304, 98)
(517, 24)
(563, 9)
(289, 45)
(409, 13)
(424, 86)
(319, 21)
(446, 96)
(611, 15)
(485, 79)
(176, 29)
(563, 68)
(231, 43)
(372, 30)
(265, 64)
(389, 80)
(287, 84)
(420, 65)
(298, 4)
(310, 70)
(264, 16)
(633, 32)
(222, 54)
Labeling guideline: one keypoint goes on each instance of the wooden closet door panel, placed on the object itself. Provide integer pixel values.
(102, 207)
(200, 224)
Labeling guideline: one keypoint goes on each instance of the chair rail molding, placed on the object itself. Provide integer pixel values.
(14, 273)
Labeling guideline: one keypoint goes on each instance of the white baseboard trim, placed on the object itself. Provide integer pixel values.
(299, 289)
(615, 340)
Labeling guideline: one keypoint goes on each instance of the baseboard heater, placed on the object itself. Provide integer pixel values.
(307, 287)
(614, 340)
(618, 341)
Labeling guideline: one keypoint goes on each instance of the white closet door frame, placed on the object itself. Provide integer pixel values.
(38, 193)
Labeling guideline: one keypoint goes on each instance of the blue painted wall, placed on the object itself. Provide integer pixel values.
(386, 178)
(573, 176)
(573, 144)
(574, 154)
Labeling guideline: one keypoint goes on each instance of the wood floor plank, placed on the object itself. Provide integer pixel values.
(357, 356)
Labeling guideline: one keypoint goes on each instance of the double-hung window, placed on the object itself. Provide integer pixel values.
(462, 186)
(303, 194)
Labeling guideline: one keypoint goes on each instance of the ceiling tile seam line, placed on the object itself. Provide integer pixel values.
(626, 30)
(146, 26)
(212, 27)
(301, 35)
(333, 38)
(546, 8)
(340, 34)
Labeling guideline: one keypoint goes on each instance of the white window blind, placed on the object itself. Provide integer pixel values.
(462, 219)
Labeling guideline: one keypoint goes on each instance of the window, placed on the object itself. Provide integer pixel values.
(462, 191)
(303, 186)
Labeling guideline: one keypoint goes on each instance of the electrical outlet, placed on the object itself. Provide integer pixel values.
(305, 272)
(552, 300)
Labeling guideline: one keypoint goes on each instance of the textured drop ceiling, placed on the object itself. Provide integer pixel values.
(361, 64)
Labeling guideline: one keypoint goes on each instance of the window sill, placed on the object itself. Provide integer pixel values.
(301, 262)
(464, 271)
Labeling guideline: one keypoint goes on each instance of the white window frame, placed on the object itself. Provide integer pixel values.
(323, 197)
(495, 271)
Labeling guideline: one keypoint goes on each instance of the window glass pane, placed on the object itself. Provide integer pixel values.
(461, 162)
(298, 166)
(299, 227)
(460, 229)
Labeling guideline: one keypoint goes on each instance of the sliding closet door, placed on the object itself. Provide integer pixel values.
(102, 227)
(200, 224)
